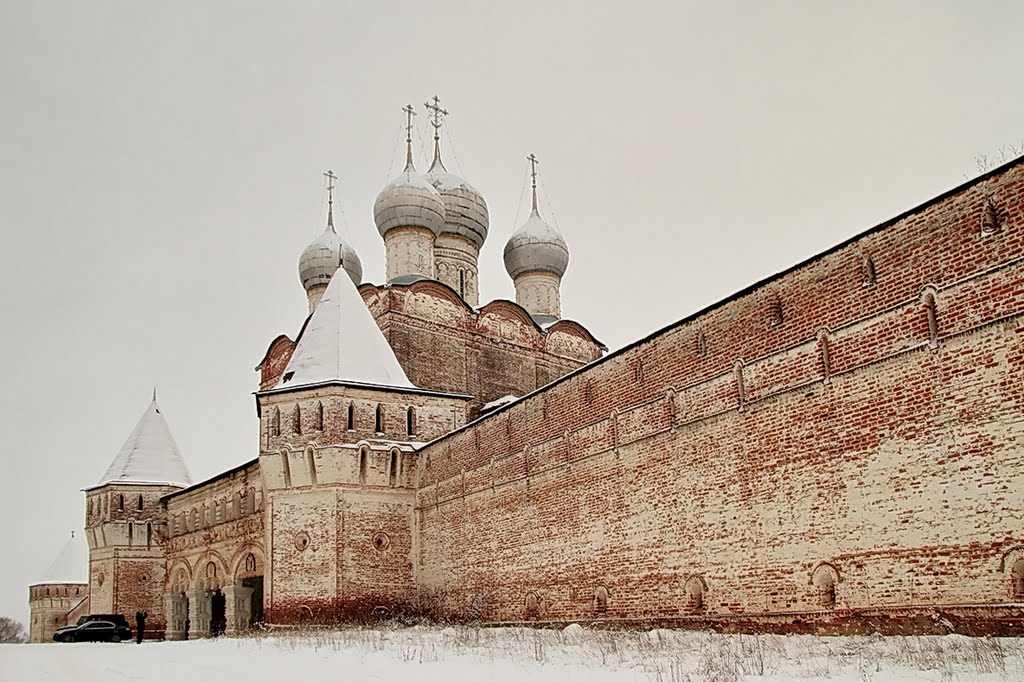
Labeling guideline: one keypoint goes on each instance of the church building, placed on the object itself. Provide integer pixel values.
(835, 448)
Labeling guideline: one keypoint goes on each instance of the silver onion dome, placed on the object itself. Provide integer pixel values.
(409, 201)
(464, 207)
(536, 246)
(321, 259)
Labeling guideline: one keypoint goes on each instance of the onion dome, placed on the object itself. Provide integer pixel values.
(536, 245)
(465, 211)
(321, 259)
(409, 201)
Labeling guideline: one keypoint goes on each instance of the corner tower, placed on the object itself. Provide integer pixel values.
(457, 249)
(409, 214)
(338, 457)
(126, 526)
(536, 257)
(62, 594)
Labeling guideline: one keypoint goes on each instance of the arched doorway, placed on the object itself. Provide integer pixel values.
(218, 613)
(245, 595)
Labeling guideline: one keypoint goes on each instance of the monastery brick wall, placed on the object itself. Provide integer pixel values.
(838, 444)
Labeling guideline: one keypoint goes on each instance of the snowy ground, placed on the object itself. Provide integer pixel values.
(504, 655)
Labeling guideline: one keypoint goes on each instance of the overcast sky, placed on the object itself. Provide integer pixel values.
(160, 173)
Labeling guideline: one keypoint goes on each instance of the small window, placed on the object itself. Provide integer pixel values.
(824, 580)
(410, 421)
(149, 534)
(393, 469)
(297, 420)
(601, 599)
(318, 416)
(379, 419)
(120, 503)
(867, 271)
(775, 317)
(140, 503)
(351, 420)
(362, 465)
(1017, 579)
(275, 422)
(131, 532)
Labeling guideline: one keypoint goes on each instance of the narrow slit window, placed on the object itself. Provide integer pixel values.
(379, 419)
(131, 532)
(120, 503)
(362, 466)
(351, 416)
(319, 416)
(393, 477)
(410, 421)
(140, 503)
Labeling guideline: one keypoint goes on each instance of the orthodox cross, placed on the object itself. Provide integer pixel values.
(409, 113)
(437, 115)
(533, 174)
(331, 177)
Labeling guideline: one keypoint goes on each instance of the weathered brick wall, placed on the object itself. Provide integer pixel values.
(859, 416)
(54, 605)
(325, 414)
(444, 345)
(220, 520)
(341, 539)
(127, 568)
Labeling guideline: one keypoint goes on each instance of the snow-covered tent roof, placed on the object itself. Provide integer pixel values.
(150, 454)
(71, 565)
(342, 342)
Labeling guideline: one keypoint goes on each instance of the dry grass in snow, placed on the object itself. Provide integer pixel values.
(429, 654)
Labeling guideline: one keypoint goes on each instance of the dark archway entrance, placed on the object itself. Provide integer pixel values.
(218, 613)
(255, 600)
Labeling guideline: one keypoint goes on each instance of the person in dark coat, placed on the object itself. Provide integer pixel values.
(140, 625)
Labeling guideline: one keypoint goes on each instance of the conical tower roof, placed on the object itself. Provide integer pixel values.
(71, 565)
(150, 454)
(342, 342)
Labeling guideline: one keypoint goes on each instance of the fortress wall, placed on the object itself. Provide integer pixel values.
(856, 420)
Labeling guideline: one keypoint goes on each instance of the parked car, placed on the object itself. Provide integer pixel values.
(115, 618)
(94, 631)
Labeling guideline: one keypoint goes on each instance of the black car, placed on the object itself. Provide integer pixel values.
(94, 631)
(115, 618)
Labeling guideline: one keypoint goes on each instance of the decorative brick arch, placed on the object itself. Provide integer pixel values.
(179, 576)
(825, 578)
(696, 589)
(1011, 565)
(206, 579)
(240, 570)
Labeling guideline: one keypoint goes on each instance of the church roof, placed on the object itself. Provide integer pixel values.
(71, 565)
(342, 342)
(150, 454)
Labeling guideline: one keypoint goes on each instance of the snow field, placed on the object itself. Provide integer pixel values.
(429, 654)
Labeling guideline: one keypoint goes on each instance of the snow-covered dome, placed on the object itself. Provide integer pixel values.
(536, 246)
(409, 201)
(321, 259)
(465, 209)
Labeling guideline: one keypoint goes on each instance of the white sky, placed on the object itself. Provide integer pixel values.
(160, 174)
